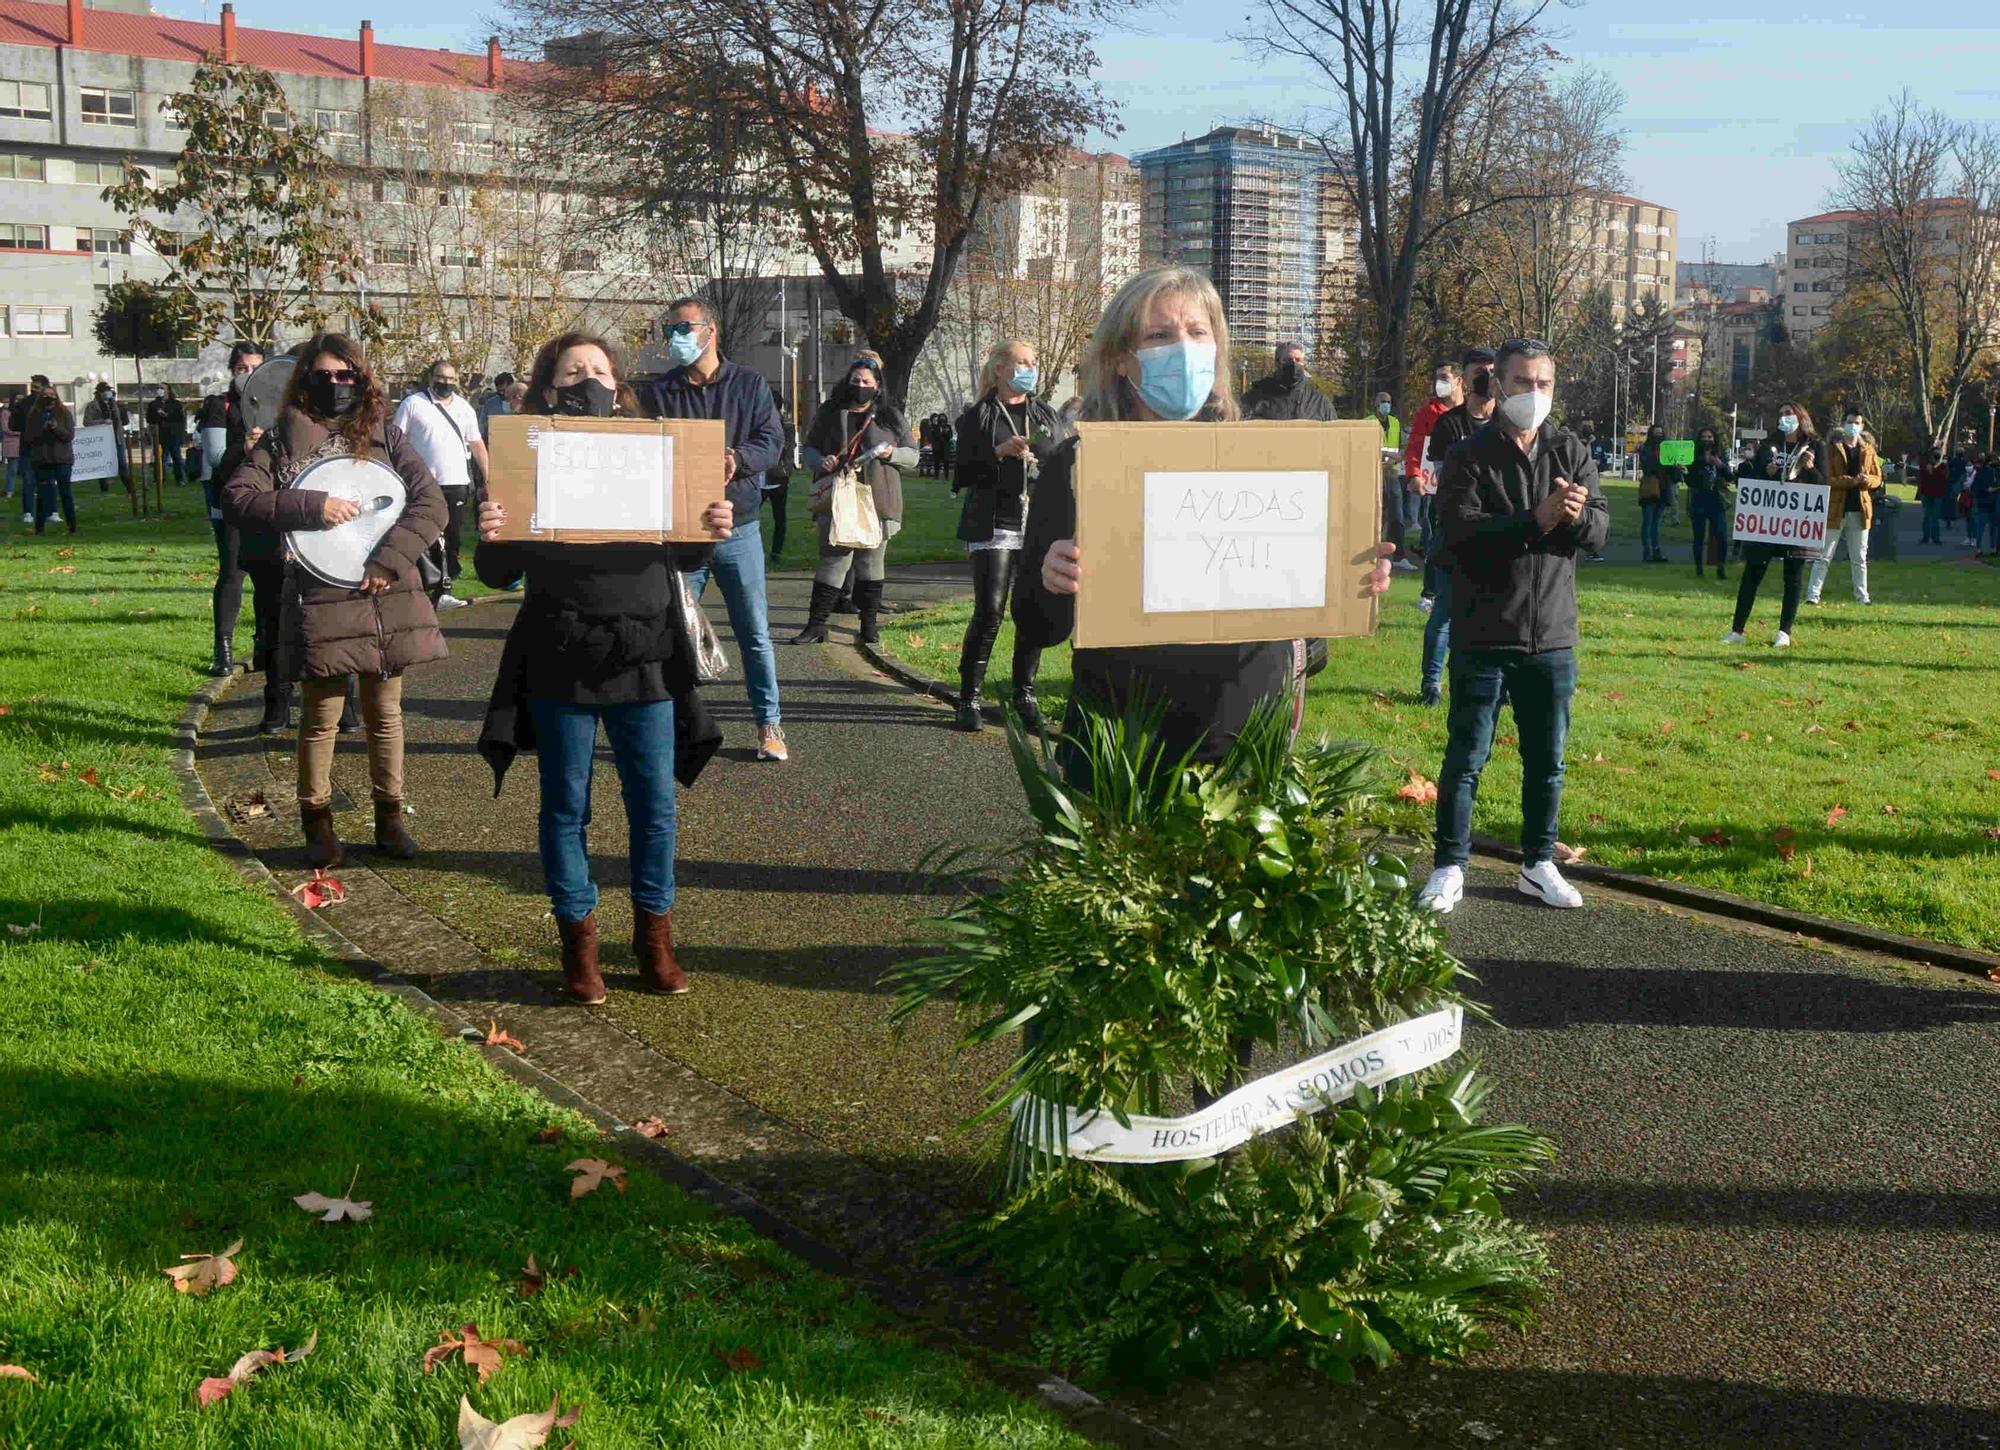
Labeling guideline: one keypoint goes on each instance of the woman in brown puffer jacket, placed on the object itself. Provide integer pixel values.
(333, 409)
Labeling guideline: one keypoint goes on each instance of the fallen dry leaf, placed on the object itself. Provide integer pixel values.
(1835, 814)
(1564, 855)
(1787, 842)
(64, 569)
(1742, 734)
(321, 890)
(498, 1036)
(591, 1172)
(252, 807)
(1815, 728)
(1993, 833)
(482, 1354)
(739, 1360)
(1594, 819)
(651, 1128)
(1891, 811)
(1666, 727)
(1416, 788)
(1807, 873)
(15, 1372)
(532, 1277)
(204, 1271)
(1614, 695)
(27, 928)
(6, 709)
(1850, 725)
(71, 553)
(1992, 774)
(333, 1210)
(1715, 838)
(249, 1366)
(523, 1432)
(89, 778)
(550, 1134)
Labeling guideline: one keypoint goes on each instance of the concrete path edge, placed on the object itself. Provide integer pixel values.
(1085, 1413)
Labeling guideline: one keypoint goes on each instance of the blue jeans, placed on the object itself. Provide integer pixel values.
(174, 462)
(18, 478)
(1933, 521)
(1650, 510)
(51, 483)
(642, 744)
(1539, 687)
(738, 566)
(1705, 513)
(1437, 633)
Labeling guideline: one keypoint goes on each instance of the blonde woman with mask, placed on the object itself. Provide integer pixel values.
(1160, 354)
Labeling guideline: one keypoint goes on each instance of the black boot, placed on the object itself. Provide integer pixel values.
(350, 709)
(816, 617)
(277, 710)
(225, 655)
(843, 602)
(1027, 664)
(868, 604)
(971, 675)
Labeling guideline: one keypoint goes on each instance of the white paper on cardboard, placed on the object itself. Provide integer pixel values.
(1234, 540)
(604, 481)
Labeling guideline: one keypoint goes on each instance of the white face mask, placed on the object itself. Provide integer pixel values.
(1525, 411)
(1443, 387)
(1787, 423)
(1854, 432)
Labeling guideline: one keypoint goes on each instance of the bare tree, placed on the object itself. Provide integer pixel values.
(1926, 192)
(892, 122)
(1384, 138)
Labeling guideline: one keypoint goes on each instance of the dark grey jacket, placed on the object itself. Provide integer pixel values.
(1270, 401)
(1513, 587)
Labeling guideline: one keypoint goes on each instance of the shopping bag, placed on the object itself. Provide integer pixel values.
(854, 523)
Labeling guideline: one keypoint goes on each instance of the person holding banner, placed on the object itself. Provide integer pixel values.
(601, 639)
(334, 408)
(1853, 472)
(1160, 354)
(855, 430)
(48, 437)
(1794, 456)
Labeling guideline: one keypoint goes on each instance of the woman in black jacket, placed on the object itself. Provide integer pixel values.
(1003, 439)
(1160, 354)
(1708, 502)
(600, 638)
(857, 428)
(1794, 455)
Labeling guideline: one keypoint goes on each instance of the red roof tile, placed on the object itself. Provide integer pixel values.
(156, 37)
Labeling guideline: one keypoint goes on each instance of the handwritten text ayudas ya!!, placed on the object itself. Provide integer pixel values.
(1241, 506)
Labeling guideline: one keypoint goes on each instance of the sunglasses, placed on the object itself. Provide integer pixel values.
(682, 329)
(337, 375)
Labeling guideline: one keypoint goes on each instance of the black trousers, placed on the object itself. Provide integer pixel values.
(1756, 560)
(267, 580)
(457, 500)
(227, 598)
(778, 494)
(992, 579)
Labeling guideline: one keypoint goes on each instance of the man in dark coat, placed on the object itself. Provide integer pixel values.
(1288, 394)
(48, 437)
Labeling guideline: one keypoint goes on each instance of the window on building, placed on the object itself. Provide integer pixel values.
(1798, 312)
(1798, 286)
(102, 240)
(337, 123)
(101, 107)
(579, 261)
(22, 168)
(406, 128)
(1819, 312)
(477, 134)
(28, 100)
(24, 236)
(34, 320)
(461, 257)
(396, 256)
(1822, 286)
(168, 119)
(98, 173)
(277, 118)
(390, 191)
(1803, 239)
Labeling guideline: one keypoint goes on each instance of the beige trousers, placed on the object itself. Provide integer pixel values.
(381, 716)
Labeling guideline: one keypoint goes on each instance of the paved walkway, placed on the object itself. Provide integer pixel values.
(1776, 1214)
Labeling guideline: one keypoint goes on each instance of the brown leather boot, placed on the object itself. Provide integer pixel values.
(392, 837)
(322, 843)
(581, 979)
(653, 945)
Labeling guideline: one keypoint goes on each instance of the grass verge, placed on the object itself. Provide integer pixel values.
(1856, 775)
(176, 1064)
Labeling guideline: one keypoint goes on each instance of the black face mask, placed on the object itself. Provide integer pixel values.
(1482, 385)
(330, 399)
(587, 399)
(444, 390)
(1289, 373)
(861, 396)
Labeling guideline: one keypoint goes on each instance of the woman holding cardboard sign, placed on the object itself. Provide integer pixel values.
(855, 434)
(1160, 354)
(602, 638)
(1794, 456)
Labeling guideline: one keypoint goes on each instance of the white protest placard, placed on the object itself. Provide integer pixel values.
(1234, 541)
(603, 480)
(1792, 515)
(96, 450)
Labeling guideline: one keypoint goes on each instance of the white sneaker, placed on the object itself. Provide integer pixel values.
(1443, 891)
(28, 519)
(1546, 885)
(1863, 599)
(1425, 604)
(450, 601)
(1404, 566)
(1783, 641)
(1735, 636)
(771, 743)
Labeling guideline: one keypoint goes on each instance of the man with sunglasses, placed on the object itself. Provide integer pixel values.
(705, 385)
(444, 430)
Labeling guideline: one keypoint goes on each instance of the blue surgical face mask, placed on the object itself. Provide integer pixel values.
(1025, 379)
(1176, 378)
(1788, 424)
(686, 347)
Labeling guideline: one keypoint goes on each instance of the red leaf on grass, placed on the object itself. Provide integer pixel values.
(89, 778)
(1993, 833)
(1666, 727)
(1416, 788)
(1834, 815)
(651, 1128)
(532, 1277)
(9, 709)
(1715, 838)
(321, 890)
(739, 1360)
(1992, 774)
(1807, 873)
(15, 1372)
(248, 1367)
(498, 1036)
(1742, 734)
(203, 1272)
(483, 1355)
(1594, 819)
(1787, 842)
(591, 1174)
(1614, 695)
(550, 1134)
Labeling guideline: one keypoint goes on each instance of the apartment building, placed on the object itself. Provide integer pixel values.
(453, 237)
(1815, 269)
(1632, 251)
(1083, 223)
(1261, 212)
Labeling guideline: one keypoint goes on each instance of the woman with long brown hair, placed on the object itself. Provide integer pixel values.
(1795, 454)
(601, 639)
(334, 408)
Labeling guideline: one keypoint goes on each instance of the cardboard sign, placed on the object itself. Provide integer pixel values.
(605, 480)
(96, 449)
(1226, 533)
(1789, 514)
(1676, 451)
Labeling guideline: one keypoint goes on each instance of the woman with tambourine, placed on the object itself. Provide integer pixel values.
(605, 635)
(855, 430)
(353, 601)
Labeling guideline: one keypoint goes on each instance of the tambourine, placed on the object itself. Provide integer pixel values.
(339, 555)
(264, 392)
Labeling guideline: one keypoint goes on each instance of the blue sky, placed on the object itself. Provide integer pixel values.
(1734, 112)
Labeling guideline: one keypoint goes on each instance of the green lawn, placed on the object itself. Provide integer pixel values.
(1891, 712)
(176, 1064)
(929, 534)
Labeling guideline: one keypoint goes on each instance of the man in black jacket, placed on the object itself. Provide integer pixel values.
(1288, 395)
(1517, 503)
